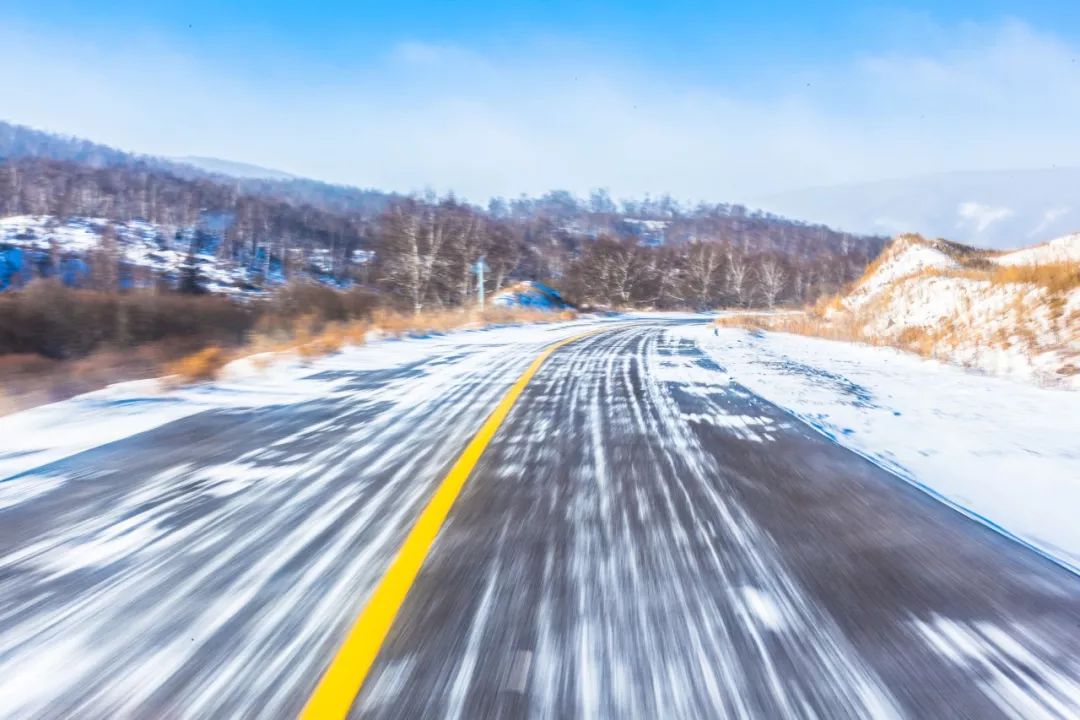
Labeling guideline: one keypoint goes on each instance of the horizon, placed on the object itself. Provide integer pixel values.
(728, 105)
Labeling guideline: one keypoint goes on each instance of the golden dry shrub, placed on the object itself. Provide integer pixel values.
(1059, 277)
(330, 340)
(199, 366)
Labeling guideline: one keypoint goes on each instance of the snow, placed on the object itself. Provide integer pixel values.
(1005, 664)
(42, 435)
(1020, 330)
(1003, 452)
(48, 433)
(1063, 249)
(902, 259)
(531, 295)
(140, 244)
(763, 608)
(1009, 329)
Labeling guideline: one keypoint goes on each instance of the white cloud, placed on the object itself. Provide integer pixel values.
(1049, 218)
(545, 116)
(980, 216)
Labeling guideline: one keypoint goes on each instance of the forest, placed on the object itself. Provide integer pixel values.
(417, 251)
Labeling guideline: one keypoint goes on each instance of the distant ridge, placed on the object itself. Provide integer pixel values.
(233, 168)
(20, 141)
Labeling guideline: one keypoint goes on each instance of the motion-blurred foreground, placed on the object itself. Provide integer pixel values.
(645, 536)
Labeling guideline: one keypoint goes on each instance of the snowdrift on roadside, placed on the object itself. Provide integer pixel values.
(531, 296)
(1001, 451)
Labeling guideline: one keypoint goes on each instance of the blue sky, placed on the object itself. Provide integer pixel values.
(722, 101)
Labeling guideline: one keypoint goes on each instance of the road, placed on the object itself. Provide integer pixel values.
(642, 538)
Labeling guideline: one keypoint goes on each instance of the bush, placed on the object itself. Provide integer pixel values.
(60, 322)
(317, 304)
(199, 366)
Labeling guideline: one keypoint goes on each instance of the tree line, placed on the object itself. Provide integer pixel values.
(419, 251)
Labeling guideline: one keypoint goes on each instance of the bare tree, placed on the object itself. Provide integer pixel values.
(771, 277)
(703, 271)
(737, 275)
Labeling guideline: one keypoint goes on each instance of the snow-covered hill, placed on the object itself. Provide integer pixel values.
(1062, 250)
(1014, 314)
(40, 245)
(1001, 210)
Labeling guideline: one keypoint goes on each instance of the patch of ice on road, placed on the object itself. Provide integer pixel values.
(1000, 450)
(748, 427)
(761, 606)
(107, 546)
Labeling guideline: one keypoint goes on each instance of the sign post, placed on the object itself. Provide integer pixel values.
(479, 268)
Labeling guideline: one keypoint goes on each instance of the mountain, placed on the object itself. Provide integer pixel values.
(217, 166)
(19, 141)
(1001, 209)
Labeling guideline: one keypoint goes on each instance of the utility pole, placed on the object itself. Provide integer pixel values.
(479, 269)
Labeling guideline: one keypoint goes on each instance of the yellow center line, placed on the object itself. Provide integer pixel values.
(339, 686)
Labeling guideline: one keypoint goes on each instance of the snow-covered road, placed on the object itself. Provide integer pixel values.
(644, 537)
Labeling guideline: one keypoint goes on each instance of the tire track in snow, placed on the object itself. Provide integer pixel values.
(659, 542)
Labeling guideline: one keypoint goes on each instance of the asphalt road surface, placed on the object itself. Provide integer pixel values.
(642, 538)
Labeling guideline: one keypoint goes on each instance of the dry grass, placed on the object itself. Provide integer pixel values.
(199, 366)
(330, 340)
(310, 338)
(1056, 278)
(444, 320)
(845, 326)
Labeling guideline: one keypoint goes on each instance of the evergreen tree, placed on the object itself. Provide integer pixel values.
(192, 281)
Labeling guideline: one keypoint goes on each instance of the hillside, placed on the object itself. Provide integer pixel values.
(243, 234)
(1013, 313)
(144, 254)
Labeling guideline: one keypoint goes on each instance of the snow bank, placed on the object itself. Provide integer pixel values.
(1003, 452)
(530, 295)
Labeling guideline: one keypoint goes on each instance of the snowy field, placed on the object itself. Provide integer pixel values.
(1004, 452)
